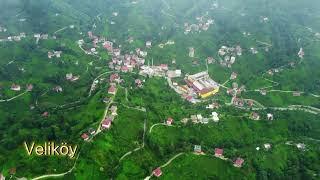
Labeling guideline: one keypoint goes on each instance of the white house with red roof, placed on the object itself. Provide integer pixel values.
(124, 69)
(29, 87)
(114, 77)
(164, 67)
(169, 121)
(85, 136)
(238, 162)
(218, 152)
(106, 124)
(157, 172)
(15, 87)
(112, 90)
(45, 114)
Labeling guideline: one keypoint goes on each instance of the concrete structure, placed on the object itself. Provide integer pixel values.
(202, 84)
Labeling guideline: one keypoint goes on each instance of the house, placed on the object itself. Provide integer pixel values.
(15, 87)
(270, 116)
(75, 78)
(57, 53)
(85, 136)
(13, 170)
(45, 114)
(44, 36)
(112, 90)
(197, 149)
(106, 124)
(114, 77)
(296, 94)
(218, 152)
(204, 121)
(250, 103)
(233, 75)
(108, 46)
(124, 69)
(191, 52)
(194, 118)
(69, 76)
(301, 146)
(58, 89)
(199, 117)
(215, 117)
(148, 44)
(301, 53)
(238, 162)
(169, 121)
(164, 67)
(210, 60)
(263, 92)
(37, 35)
(113, 110)
(143, 53)
(232, 59)
(92, 131)
(29, 87)
(221, 52)
(255, 116)
(116, 52)
(2, 177)
(50, 54)
(174, 73)
(267, 146)
(138, 82)
(157, 172)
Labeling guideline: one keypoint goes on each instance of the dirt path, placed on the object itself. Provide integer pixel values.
(307, 109)
(104, 116)
(58, 175)
(166, 164)
(158, 124)
(92, 84)
(143, 142)
(60, 30)
(10, 99)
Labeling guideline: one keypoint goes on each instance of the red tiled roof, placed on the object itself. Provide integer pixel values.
(84, 136)
(239, 161)
(157, 172)
(112, 89)
(218, 151)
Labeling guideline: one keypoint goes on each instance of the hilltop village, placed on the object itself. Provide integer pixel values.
(126, 100)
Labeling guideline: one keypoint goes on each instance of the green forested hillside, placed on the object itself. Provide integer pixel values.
(139, 141)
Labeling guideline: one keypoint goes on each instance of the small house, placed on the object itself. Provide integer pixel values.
(15, 87)
(197, 149)
(218, 152)
(112, 90)
(238, 162)
(169, 121)
(233, 75)
(85, 136)
(106, 124)
(157, 172)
